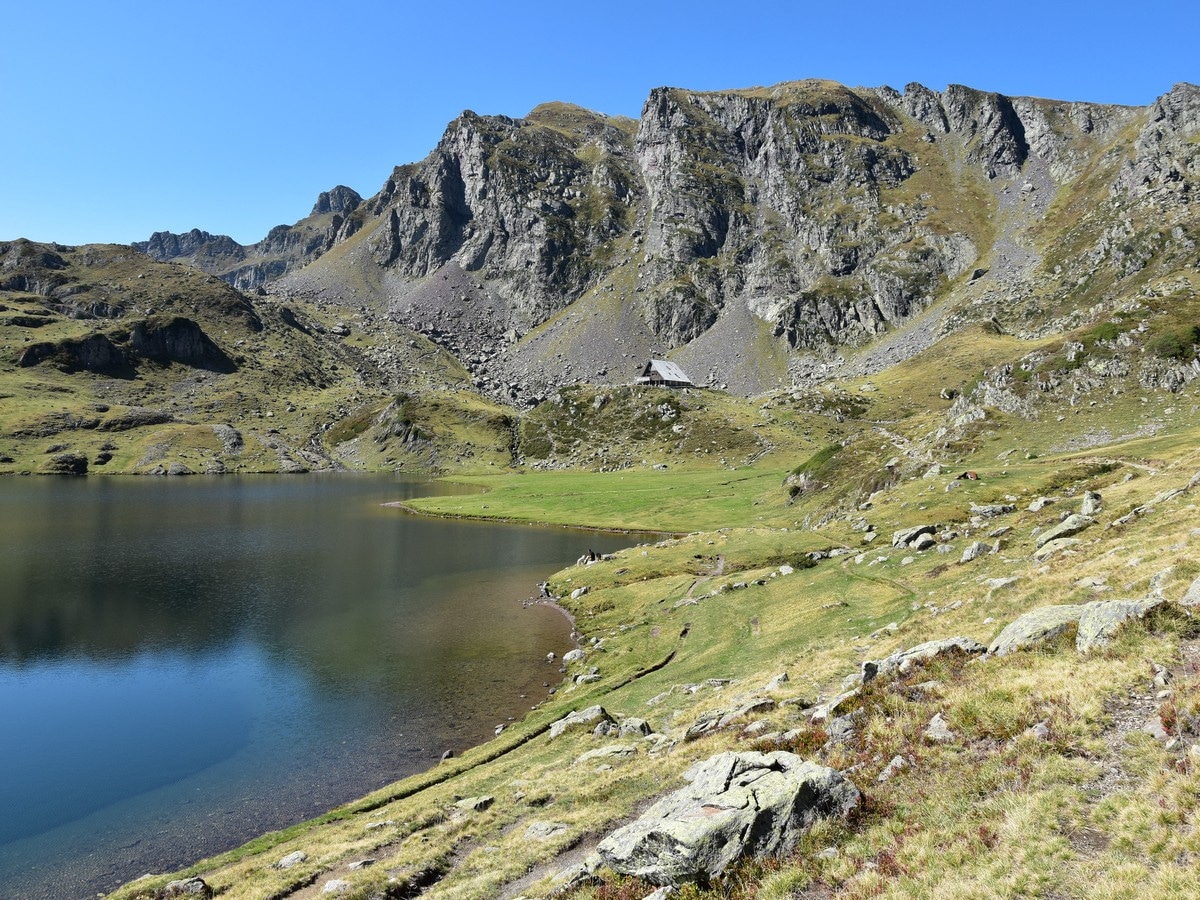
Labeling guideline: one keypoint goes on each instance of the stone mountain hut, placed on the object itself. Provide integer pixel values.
(660, 373)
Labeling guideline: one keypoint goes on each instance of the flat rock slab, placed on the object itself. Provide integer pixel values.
(1068, 527)
(737, 804)
(1057, 545)
(612, 751)
(1036, 628)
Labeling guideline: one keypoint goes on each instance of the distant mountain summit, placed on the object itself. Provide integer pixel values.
(248, 267)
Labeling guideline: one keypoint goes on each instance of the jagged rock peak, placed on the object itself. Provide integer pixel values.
(340, 199)
(165, 245)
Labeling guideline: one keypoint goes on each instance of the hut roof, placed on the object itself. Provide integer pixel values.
(666, 370)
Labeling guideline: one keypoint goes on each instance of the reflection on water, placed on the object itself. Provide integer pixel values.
(185, 663)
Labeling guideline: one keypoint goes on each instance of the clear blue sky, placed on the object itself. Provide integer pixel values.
(124, 118)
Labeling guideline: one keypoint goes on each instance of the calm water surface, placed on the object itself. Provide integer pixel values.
(185, 663)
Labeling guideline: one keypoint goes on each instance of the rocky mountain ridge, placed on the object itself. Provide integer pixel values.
(759, 236)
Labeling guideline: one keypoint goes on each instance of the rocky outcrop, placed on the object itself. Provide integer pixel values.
(94, 353)
(1095, 624)
(339, 200)
(901, 662)
(179, 340)
(736, 805)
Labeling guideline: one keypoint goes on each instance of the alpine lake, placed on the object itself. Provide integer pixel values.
(186, 663)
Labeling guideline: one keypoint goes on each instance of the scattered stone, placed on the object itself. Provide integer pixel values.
(995, 584)
(187, 887)
(543, 831)
(612, 751)
(1091, 503)
(760, 704)
(777, 682)
(923, 542)
(1159, 580)
(577, 876)
(1041, 731)
(898, 764)
(633, 727)
(1051, 547)
(736, 805)
(1034, 628)
(580, 719)
(361, 864)
(938, 731)
(1040, 503)
(475, 804)
(293, 859)
(841, 728)
(1156, 729)
(824, 711)
(573, 655)
(579, 592)
(974, 550)
(991, 510)
(336, 886)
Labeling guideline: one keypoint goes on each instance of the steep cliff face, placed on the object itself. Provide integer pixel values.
(530, 205)
(808, 218)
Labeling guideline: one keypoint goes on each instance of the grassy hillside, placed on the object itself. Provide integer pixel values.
(769, 580)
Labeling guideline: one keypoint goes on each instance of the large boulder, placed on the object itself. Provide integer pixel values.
(1102, 619)
(1037, 627)
(737, 804)
(905, 536)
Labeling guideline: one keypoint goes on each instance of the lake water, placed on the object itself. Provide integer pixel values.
(185, 663)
